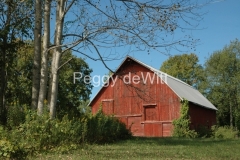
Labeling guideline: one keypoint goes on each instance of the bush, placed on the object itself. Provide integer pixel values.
(15, 116)
(100, 128)
(204, 132)
(10, 149)
(40, 134)
(181, 125)
(224, 132)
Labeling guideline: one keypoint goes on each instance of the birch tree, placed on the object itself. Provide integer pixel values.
(44, 64)
(89, 27)
(61, 11)
(37, 53)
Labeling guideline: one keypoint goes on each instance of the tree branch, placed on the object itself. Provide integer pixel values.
(64, 63)
(100, 55)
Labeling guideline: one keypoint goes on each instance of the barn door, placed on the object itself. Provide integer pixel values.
(150, 113)
(151, 128)
(107, 106)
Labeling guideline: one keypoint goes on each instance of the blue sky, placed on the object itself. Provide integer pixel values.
(221, 24)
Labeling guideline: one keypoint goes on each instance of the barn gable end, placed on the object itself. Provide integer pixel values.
(143, 99)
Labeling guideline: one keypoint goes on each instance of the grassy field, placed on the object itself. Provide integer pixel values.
(155, 148)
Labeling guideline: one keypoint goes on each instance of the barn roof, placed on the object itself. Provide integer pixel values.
(180, 88)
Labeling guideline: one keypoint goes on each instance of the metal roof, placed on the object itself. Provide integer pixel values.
(181, 89)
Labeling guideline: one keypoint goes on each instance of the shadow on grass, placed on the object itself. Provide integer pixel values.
(178, 141)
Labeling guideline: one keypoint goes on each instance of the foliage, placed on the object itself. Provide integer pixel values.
(15, 116)
(204, 132)
(15, 25)
(20, 76)
(70, 95)
(184, 67)
(222, 85)
(181, 125)
(218, 132)
(224, 132)
(9, 148)
(17, 19)
(83, 108)
(40, 134)
(101, 128)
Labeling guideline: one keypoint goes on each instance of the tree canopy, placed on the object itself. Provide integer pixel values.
(71, 96)
(222, 86)
(184, 67)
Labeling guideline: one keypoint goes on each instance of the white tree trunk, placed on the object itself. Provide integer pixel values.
(44, 67)
(56, 56)
(37, 53)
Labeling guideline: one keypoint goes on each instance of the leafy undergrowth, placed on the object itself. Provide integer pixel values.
(155, 148)
(39, 134)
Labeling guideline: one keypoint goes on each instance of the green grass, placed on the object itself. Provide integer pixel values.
(155, 148)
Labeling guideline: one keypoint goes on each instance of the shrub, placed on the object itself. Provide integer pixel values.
(224, 132)
(40, 134)
(181, 125)
(204, 131)
(15, 116)
(10, 149)
(100, 128)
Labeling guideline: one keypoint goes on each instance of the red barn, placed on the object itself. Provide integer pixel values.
(148, 100)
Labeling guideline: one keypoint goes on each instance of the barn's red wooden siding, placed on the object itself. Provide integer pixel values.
(200, 116)
(148, 109)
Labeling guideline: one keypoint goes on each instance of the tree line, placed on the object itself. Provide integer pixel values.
(218, 79)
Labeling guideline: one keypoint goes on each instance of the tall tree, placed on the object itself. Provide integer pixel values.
(44, 64)
(60, 15)
(15, 25)
(223, 88)
(184, 67)
(89, 26)
(37, 53)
